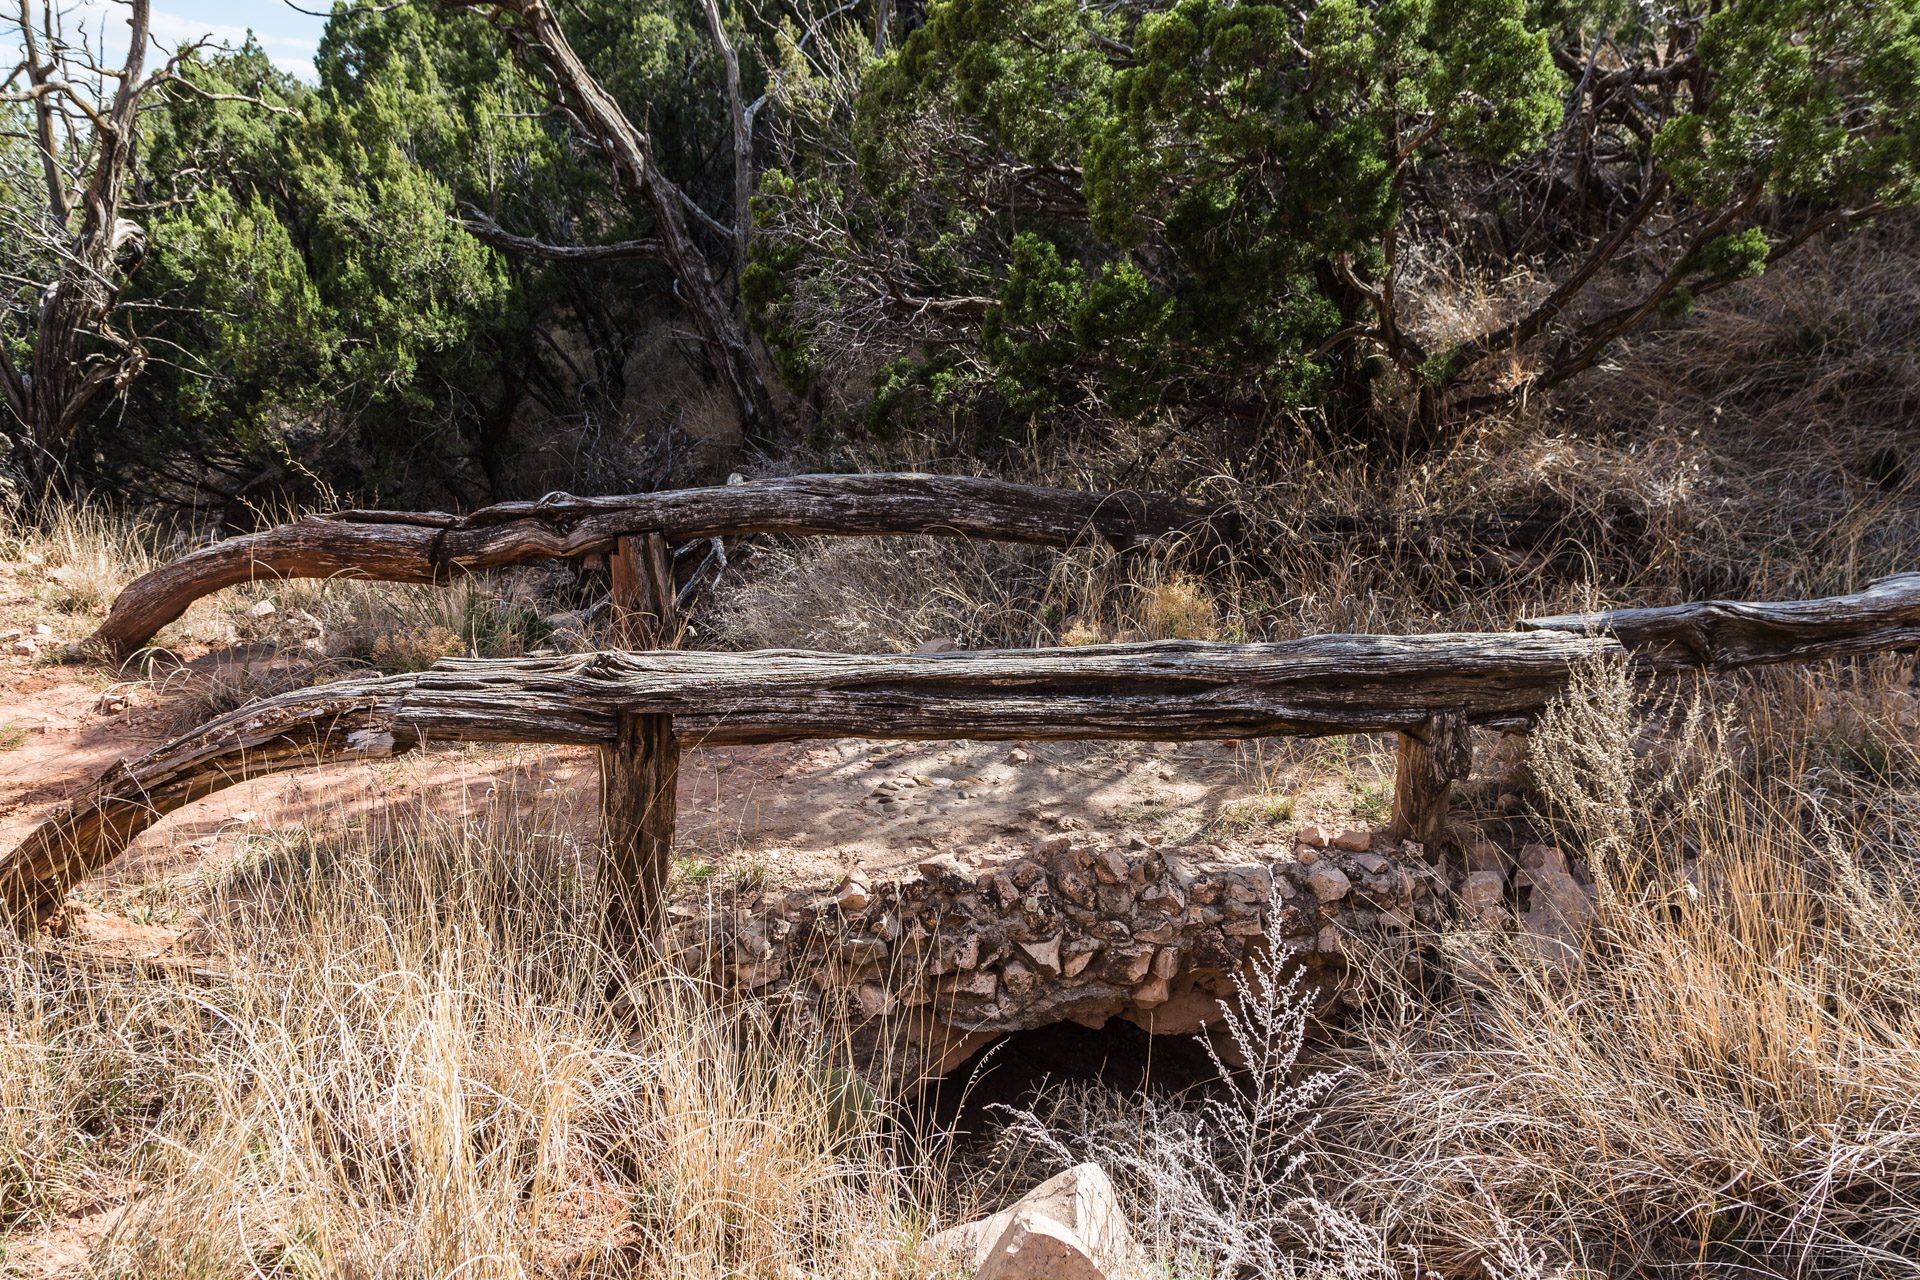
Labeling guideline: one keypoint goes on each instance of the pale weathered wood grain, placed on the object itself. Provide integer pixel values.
(392, 546)
(1737, 633)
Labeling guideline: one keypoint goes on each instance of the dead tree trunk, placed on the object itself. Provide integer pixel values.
(536, 33)
(640, 768)
(1431, 758)
(742, 149)
(77, 356)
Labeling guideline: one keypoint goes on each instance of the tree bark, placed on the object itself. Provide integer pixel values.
(639, 775)
(742, 150)
(1349, 408)
(63, 383)
(1430, 758)
(644, 616)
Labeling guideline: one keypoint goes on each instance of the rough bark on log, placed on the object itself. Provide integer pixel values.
(1734, 633)
(1171, 689)
(644, 612)
(431, 546)
(1429, 759)
(1167, 690)
(640, 768)
(349, 718)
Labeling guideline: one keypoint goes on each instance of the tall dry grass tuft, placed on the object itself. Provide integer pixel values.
(1213, 1181)
(1729, 1079)
(893, 594)
(74, 558)
(416, 1070)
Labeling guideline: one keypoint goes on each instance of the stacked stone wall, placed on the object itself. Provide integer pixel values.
(966, 946)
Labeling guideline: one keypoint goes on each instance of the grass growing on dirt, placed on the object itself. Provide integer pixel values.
(415, 1071)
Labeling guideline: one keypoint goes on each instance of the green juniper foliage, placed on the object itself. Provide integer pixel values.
(1241, 206)
(1236, 212)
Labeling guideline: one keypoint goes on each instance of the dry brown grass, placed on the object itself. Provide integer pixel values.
(415, 1071)
(72, 561)
(1727, 1082)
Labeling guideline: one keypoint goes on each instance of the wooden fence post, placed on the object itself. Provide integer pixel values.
(1429, 760)
(640, 769)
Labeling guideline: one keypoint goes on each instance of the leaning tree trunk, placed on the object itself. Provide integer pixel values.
(631, 153)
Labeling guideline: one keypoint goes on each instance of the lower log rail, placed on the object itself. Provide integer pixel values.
(1429, 689)
(1171, 690)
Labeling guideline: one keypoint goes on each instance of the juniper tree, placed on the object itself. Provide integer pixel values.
(1237, 207)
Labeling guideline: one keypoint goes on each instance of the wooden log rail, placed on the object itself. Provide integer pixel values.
(1430, 689)
(638, 531)
(429, 546)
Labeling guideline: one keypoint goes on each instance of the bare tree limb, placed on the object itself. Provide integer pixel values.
(742, 143)
(535, 34)
(485, 229)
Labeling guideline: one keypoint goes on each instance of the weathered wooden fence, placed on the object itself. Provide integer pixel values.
(639, 755)
(1430, 689)
(639, 758)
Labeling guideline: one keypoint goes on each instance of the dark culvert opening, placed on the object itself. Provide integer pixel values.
(1015, 1070)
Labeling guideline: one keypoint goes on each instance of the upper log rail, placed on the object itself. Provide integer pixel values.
(431, 546)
